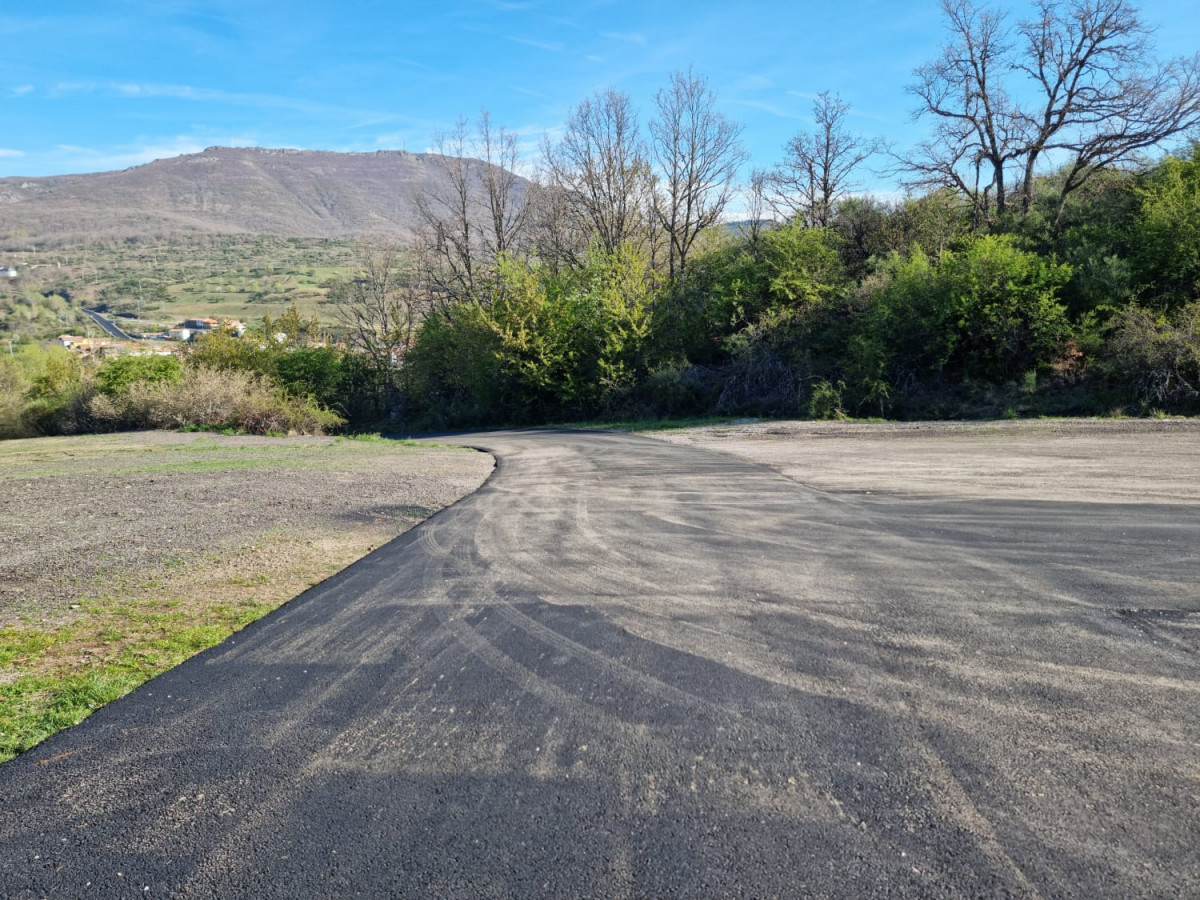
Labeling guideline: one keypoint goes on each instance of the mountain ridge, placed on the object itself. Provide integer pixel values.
(226, 190)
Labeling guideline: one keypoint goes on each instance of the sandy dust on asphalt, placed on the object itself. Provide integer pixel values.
(1111, 461)
(1024, 594)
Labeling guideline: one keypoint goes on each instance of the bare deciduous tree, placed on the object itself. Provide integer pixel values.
(977, 131)
(1103, 96)
(448, 240)
(755, 193)
(380, 310)
(557, 235)
(698, 154)
(504, 191)
(601, 169)
(1101, 99)
(479, 212)
(819, 166)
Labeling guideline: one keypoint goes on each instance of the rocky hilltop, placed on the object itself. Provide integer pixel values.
(225, 190)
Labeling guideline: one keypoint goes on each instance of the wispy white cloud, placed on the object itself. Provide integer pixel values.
(591, 57)
(414, 64)
(564, 22)
(76, 158)
(752, 81)
(630, 37)
(771, 108)
(372, 120)
(10, 154)
(64, 88)
(156, 91)
(23, 89)
(876, 117)
(552, 46)
(176, 91)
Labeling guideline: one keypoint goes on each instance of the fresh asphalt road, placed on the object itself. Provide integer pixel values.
(629, 668)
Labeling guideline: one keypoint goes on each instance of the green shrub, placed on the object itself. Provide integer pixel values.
(313, 371)
(803, 265)
(825, 401)
(989, 312)
(725, 289)
(116, 375)
(1158, 354)
(453, 369)
(543, 346)
(14, 384)
(59, 387)
(222, 349)
(1166, 235)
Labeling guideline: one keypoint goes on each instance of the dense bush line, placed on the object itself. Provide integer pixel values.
(905, 311)
(45, 392)
(897, 311)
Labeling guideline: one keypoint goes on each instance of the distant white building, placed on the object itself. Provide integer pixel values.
(200, 324)
(206, 326)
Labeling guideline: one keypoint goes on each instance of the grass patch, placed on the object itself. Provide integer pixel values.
(33, 707)
(53, 677)
(16, 644)
(199, 454)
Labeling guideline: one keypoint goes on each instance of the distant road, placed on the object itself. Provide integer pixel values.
(108, 326)
(625, 668)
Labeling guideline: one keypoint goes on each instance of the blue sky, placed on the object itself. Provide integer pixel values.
(93, 86)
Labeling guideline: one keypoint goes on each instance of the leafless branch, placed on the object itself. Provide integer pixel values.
(698, 152)
(819, 166)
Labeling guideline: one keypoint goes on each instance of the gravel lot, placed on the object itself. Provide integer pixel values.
(1112, 461)
(202, 515)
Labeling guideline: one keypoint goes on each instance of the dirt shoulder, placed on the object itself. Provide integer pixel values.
(122, 554)
(1089, 460)
(81, 512)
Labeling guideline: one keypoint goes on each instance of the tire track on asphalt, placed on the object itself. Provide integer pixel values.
(627, 668)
